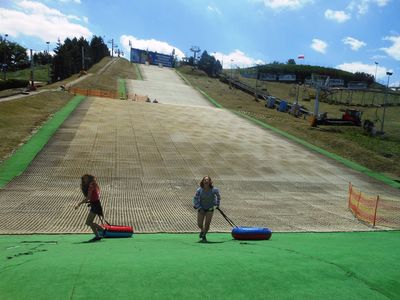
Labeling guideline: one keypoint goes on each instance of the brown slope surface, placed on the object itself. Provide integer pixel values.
(149, 158)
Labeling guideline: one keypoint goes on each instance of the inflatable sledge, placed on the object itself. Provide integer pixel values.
(247, 233)
(115, 231)
(251, 233)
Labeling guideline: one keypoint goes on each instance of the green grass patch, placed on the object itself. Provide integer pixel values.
(175, 266)
(40, 73)
(122, 88)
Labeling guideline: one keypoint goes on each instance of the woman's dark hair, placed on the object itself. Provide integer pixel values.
(86, 180)
(202, 182)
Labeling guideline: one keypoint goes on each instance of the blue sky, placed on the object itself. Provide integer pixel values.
(352, 35)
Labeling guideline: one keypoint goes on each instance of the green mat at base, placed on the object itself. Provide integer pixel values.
(358, 265)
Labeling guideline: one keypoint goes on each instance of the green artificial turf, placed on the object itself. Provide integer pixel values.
(355, 265)
(122, 88)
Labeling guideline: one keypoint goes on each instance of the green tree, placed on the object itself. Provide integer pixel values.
(98, 48)
(209, 64)
(12, 54)
(68, 57)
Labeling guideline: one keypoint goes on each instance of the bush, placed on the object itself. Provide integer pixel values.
(13, 83)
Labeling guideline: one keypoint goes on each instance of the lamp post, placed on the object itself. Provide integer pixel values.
(48, 63)
(5, 56)
(112, 46)
(257, 74)
(385, 101)
(376, 69)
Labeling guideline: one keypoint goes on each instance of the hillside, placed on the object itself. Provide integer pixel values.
(378, 154)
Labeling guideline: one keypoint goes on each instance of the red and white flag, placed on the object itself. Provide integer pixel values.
(301, 56)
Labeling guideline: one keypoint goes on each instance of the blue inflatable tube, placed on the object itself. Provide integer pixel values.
(251, 233)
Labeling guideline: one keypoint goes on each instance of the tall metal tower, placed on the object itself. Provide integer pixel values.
(195, 50)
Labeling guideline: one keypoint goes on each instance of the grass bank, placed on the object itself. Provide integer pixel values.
(41, 73)
(21, 159)
(19, 119)
(108, 80)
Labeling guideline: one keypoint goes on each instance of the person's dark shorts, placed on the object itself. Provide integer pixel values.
(96, 208)
(202, 210)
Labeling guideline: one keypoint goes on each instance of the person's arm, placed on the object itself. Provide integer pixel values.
(217, 201)
(196, 199)
(80, 203)
(86, 200)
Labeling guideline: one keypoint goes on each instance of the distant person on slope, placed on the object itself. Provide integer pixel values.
(205, 198)
(91, 191)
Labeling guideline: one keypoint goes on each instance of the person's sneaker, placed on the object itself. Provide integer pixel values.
(204, 239)
(201, 235)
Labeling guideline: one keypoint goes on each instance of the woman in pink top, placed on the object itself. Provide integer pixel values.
(91, 191)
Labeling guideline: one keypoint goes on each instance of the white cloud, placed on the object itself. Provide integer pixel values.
(85, 19)
(286, 4)
(72, 17)
(353, 43)
(319, 45)
(360, 67)
(394, 50)
(362, 6)
(382, 2)
(378, 57)
(38, 20)
(236, 58)
(67, 1)
(337, 15)
(151, 44)
(214, 9)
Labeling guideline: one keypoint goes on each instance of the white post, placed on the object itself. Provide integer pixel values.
(32, 68)
(385, 101)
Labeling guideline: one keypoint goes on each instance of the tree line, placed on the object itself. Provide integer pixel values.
(75, 55)
(207, 63)
(12, 55)
(68, 59)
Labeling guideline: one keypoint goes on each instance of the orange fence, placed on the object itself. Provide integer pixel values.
(108, 94)
(95, 93)
(374, 210)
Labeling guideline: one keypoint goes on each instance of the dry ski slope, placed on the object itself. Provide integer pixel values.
(150, 157)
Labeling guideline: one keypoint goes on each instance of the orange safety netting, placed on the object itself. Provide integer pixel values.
(108, 94)
(388, 213)
(374, 210)
(95, 93)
